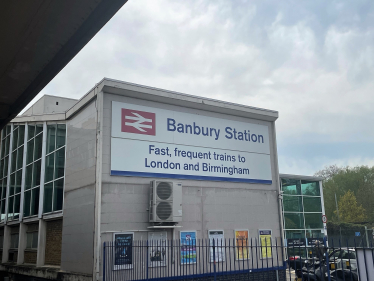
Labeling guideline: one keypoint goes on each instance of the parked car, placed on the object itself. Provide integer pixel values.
(296, 262)
(344, 258)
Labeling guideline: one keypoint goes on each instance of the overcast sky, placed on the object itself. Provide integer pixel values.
(313, 61)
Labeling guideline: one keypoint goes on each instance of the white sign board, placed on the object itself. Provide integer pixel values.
(216, 238)
(157, 248)
(154, 142)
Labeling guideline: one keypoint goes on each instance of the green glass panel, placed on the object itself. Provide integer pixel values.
(14, 161)
(18, 182)
(17, 200)
(48, 193)
(31, 132)
(6, 162)
(2, 148)
(2, 209)
(8, 128)
(38, 147)
(7, 142)
(36, 173)
(30, 152)
(61, 135)
(1, 168)
(26, 209)
(315, 233)
(34, 201)
(28, 177)
(12, 184)
(310, 188)
(312, 204)
(291, 186)
(49, 167)
(295, 234)
(21, 135)
(313, 221)
(15, 139)
(10, 207)
(51, 138)
(59, 163)
(292, 203)
(293, 220)
(38, 129)
(58, 195)
(19, 158)
(5, 183)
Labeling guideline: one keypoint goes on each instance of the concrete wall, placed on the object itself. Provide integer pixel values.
(79, 196)
(207, 205)
(50, 104)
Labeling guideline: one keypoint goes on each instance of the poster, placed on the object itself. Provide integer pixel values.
(123, 251)
(188, 247)
(265, 243)
(241, 244)
(219, 252)
(157, 245)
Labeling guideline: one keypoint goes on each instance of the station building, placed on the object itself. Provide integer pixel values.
(77, 173)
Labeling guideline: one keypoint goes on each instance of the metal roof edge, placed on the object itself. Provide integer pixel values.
(301, 177)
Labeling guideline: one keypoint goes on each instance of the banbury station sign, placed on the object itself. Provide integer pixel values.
(154, 142)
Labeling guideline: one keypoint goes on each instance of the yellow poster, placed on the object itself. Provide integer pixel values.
(265, 243)
(241, 245)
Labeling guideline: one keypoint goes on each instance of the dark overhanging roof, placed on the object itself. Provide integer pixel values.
(39, 38)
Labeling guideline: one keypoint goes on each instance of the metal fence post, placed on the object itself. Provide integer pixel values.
(214, 261)
(104, 263)
(147, 269)
(327, 259)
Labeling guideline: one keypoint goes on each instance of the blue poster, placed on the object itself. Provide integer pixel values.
(188, 247)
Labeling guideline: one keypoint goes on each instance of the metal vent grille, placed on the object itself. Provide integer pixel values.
(164, 190)
(164, 210)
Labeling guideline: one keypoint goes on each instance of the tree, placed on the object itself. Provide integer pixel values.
(349, 210)
(338, 180)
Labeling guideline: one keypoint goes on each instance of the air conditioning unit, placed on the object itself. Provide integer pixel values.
(165, 201)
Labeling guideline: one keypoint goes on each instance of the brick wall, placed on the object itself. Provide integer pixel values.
(30, 256)
(53, 243)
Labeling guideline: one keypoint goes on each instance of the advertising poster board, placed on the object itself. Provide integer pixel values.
(123, 258)
(218, 237)
(265, 243)
(241, 244)
(186, 145)
(188, 247)
(157, 247)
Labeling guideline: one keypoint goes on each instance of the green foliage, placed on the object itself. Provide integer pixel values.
(349, 210)
(359, 180)
(347, 229)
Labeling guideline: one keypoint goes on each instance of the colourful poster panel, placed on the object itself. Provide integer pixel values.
(188, 247)
(241, 244)
(123, 243)
(265, 243)
(216, 238)
(157, 245)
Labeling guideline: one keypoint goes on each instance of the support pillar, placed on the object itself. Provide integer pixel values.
(6, 244)
(22, 243)
(42, 234)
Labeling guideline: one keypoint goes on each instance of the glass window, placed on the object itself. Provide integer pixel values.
(312, 204)
(58, 194)
(293, 221)
(48, 193)
(30, 152)
(51, 138)
(17, 200)
(26, 211)
(14, 161)
(32, 240)
(314, 233)
(20, 157)
(18, 181)
(35, 201)
(14, 240)
(36, 173)
(21, 135)
(59, 163)
(310, 188)
(38, 129)
(31, 131)
(292, 203)
(61, 135)
(313, 220)
(38, 147)
(1, 241)
(15, 138)
(28, 177)
(49, 167)
(291, 186)
(295, 234)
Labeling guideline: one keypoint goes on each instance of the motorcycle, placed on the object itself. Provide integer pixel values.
(320, 269)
